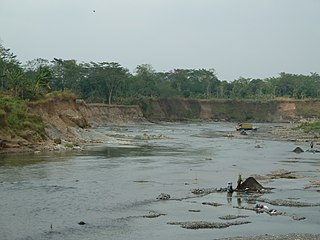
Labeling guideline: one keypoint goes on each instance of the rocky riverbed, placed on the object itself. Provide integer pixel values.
(163, 181)
(291, 236)
(82, 137)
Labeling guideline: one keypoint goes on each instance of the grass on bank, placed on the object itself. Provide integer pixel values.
(310, 127)
(14, 116)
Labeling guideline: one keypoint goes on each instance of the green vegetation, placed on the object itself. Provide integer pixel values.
(308, 109)
(68, 145)
(109, 82)
(14, 116)
(157, 93)
(310, 127)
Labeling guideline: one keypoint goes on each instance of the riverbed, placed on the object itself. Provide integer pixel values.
(112, 187)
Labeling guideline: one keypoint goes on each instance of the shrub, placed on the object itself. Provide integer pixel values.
(14, 113)
(310, 127)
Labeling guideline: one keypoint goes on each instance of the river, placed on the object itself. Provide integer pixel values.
(113, 187)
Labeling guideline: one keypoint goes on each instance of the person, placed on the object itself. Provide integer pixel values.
(311, 145)
(239, 181)
(229, 187)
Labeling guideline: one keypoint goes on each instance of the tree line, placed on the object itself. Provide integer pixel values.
(109, 82)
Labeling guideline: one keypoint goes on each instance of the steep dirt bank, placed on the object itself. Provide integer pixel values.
(230, 110)
(68, 122)
(71, 122)
(102, 114)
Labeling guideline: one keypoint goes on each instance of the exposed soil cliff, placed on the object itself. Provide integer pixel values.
(59, 114)
(230, 110)
(102, 114)
(64, 117)
(65, 122)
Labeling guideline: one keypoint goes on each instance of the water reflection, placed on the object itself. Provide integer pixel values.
(26, 159)
(239, 201)
(19, 160)
(132, 151)
(27, 166)
(229, 198)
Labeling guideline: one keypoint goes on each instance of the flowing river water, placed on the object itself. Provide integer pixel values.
(113, 188)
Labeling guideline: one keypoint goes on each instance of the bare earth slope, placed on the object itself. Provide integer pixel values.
(66, 120)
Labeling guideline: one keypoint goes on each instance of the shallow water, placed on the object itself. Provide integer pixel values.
(112, 187)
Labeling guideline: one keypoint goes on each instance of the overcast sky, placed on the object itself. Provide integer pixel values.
(237, 38)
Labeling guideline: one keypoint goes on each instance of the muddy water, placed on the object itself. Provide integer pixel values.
(113, 187)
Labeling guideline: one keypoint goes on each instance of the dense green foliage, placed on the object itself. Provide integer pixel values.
(14, 115)
(109, 82)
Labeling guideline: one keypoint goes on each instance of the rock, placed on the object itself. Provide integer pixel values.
(2, 144)
(77, 148)
(163, 196)
(194, 210)
(313, 184)
(204, 225)
(288, 203)
(212, 204)
(298, 150)
(290, 236)
(59, 147)
(232, 217)
(313, 151)
(153, 214)
(206, 191)
(57, 141)
(250, 184)
(279, 173)
(283, 173)
(298, 218)
(197, 191)
(243, 132)
(271, 212)
(81, 223)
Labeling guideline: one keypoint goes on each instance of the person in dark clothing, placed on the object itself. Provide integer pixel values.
(239, 181)
(229, 187)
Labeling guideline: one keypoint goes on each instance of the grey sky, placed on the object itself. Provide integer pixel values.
(247, 38)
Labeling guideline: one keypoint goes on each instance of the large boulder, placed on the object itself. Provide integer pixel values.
(250, 184)
(298, 150)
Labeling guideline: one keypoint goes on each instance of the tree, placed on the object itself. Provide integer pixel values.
(42, 81)
(145, 81)
(205, 81)
(179, 80)
(9, 65)
(108, 76)
(240, 88)
(35, 64)
(17, 82)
